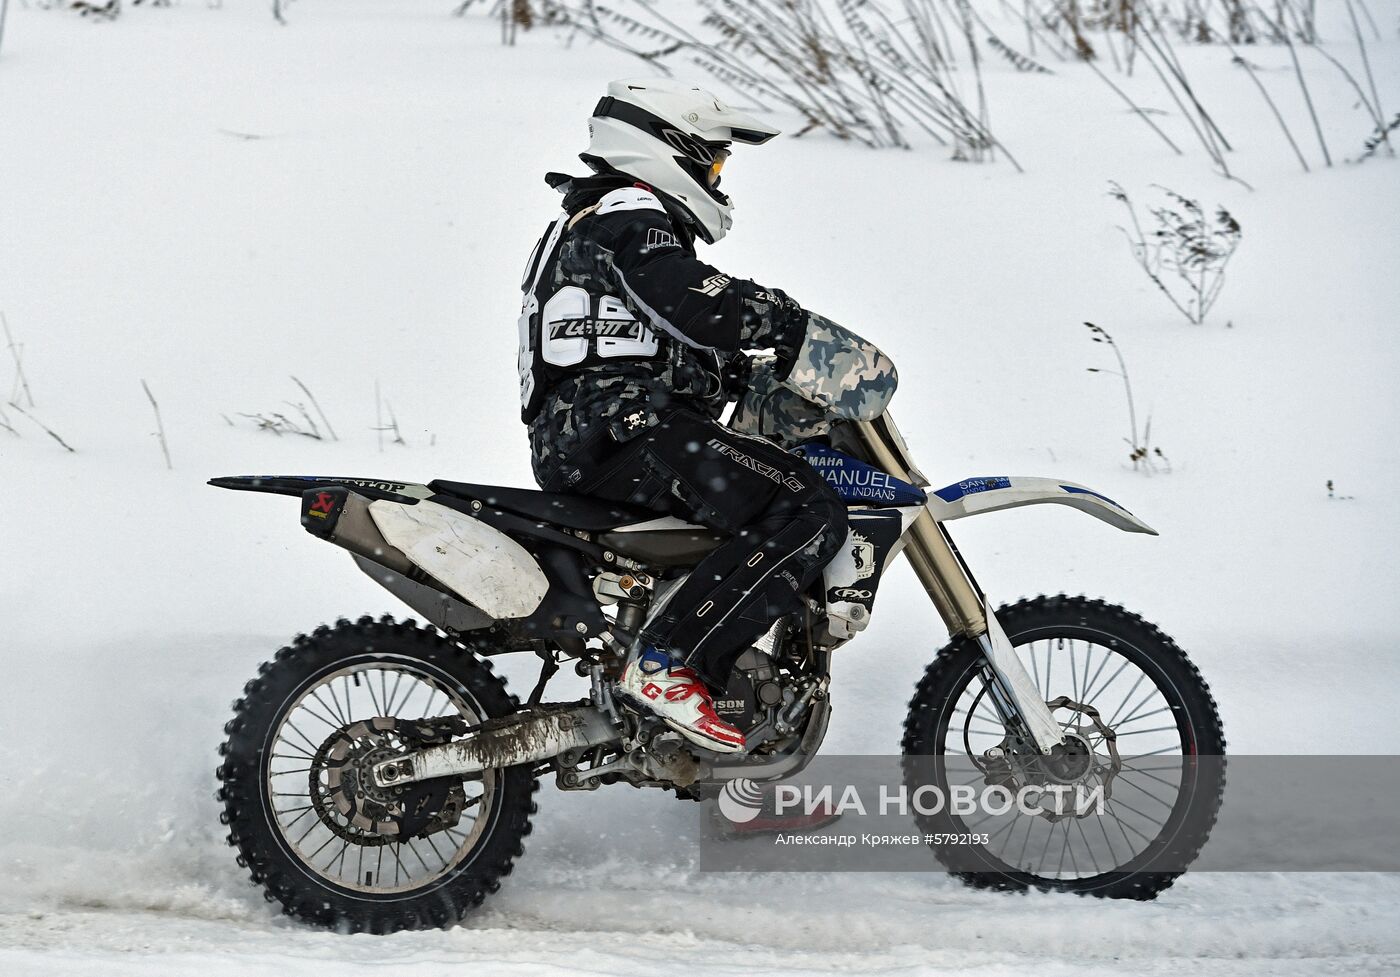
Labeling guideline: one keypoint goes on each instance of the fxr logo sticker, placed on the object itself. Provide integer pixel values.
(768, 471)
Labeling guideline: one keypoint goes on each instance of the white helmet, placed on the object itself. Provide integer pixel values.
(675, 139)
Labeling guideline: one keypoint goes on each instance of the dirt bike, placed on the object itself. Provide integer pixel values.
(378, 776)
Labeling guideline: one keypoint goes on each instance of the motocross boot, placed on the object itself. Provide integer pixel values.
(678, 697)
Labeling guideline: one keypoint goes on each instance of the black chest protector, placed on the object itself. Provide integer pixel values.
(567, 326)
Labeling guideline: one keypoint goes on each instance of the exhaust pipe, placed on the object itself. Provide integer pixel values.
(504, 742)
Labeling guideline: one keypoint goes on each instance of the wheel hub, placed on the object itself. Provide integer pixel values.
(350, 752)
(1070, 762)
(362, 811)
(1073, 763)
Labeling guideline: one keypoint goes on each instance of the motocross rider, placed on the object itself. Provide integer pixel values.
(631, 347)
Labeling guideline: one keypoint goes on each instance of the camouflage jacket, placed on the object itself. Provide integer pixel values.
(623, 245)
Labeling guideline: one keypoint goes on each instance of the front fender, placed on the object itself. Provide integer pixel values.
(974, 496)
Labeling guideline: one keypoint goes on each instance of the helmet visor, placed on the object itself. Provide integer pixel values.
(716, 165)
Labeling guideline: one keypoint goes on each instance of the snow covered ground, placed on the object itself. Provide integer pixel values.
(374, 231)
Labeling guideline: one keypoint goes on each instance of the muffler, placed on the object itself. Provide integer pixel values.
(538, 735)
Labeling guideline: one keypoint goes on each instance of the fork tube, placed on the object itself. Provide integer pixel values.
(961, 603)
(928, 549)
(948, 586)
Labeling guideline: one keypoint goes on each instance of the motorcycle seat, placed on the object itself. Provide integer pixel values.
(558, 508)
(637, 533)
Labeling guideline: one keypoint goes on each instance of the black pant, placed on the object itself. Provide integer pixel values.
(786, 524)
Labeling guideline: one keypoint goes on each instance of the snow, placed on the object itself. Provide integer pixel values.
(374, 232)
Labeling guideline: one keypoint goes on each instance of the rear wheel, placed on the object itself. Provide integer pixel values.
(316, 831)
(1141, 728)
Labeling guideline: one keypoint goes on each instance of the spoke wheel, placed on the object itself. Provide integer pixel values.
(309, 823)
(333, 818)
(1142, 732)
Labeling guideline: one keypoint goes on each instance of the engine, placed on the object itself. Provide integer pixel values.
(754, 693)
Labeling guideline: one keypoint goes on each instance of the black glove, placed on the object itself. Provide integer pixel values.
(739, 372)
(789, 337)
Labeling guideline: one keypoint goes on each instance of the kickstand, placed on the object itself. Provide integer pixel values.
(548, 666)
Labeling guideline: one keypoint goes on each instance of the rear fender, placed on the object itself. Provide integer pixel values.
(373, 488)
(974, 496)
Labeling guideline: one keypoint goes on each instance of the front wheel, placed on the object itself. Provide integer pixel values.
(317, 832)
(1133, 794)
